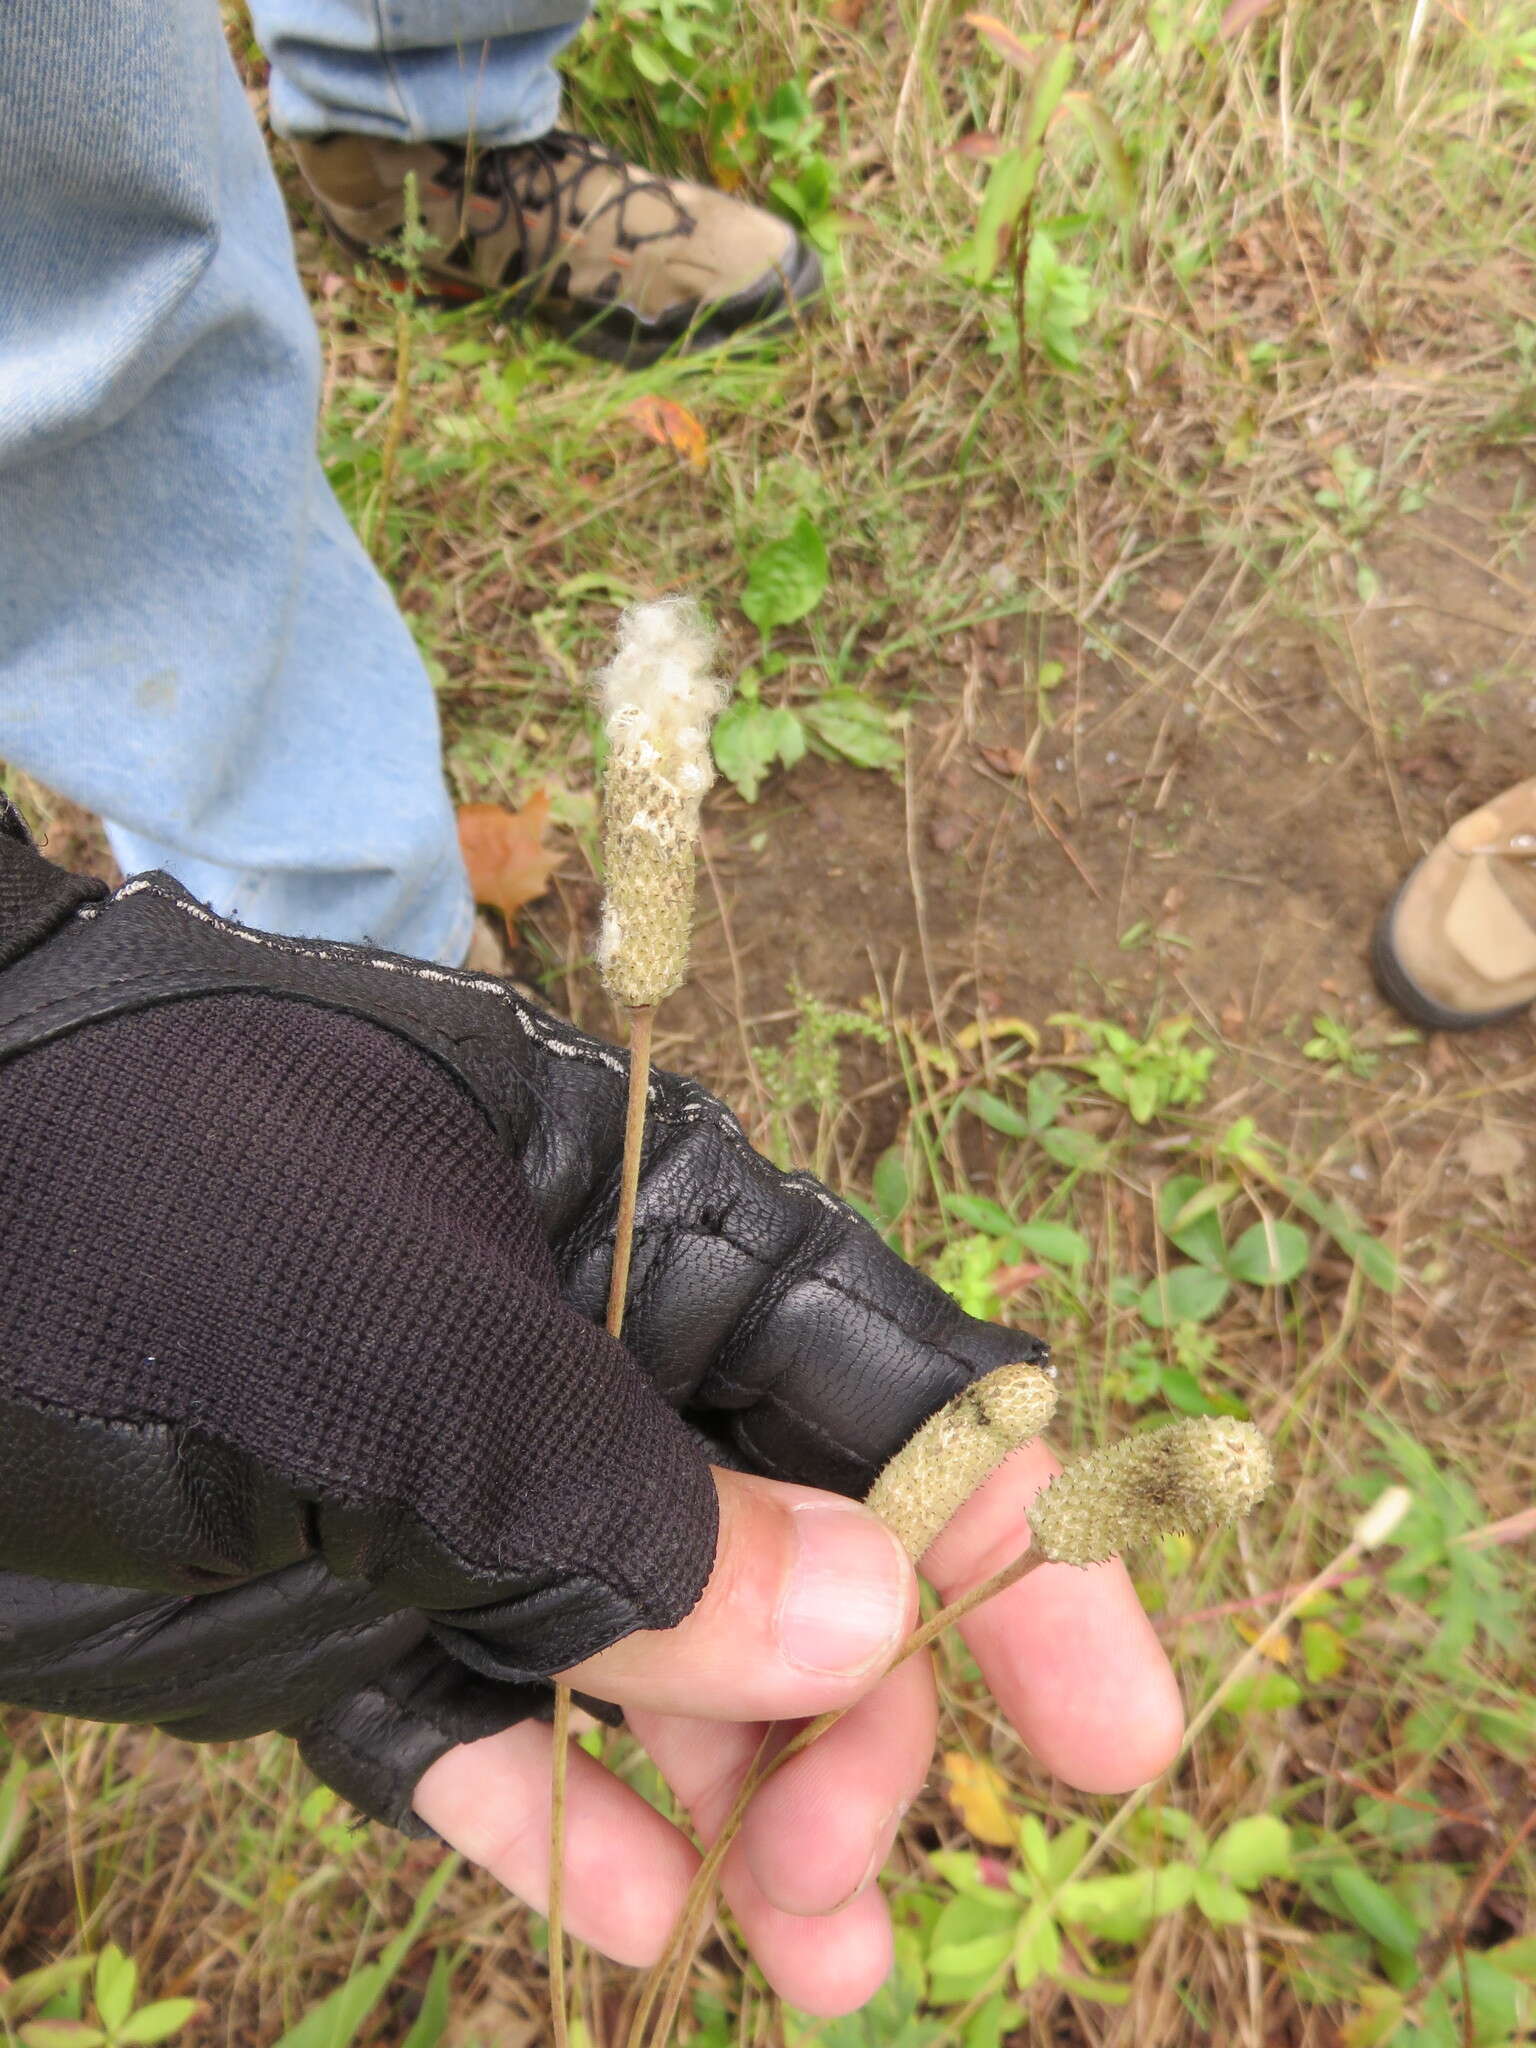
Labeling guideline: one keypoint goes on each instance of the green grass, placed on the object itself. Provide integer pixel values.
(1314, 321)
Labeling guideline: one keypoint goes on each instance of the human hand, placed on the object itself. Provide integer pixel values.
(1069, 1655)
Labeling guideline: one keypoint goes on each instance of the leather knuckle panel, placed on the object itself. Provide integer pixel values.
(218, 1667)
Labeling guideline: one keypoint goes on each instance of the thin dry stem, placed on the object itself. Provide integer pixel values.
(557, 1784)
(676, 1963)
(640, 1022)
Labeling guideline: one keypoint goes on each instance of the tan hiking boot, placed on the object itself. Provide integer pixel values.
(1457, 947)
(623, 264)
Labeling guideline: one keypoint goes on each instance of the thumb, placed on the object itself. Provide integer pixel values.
(810, 1598)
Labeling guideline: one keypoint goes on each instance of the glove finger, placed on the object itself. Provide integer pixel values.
(212, 1668)
(770, 1313)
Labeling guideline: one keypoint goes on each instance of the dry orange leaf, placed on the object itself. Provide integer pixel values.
(504, 852)
(671, 424)
(1274, 1644)
(1003, 40)
(978, 1792)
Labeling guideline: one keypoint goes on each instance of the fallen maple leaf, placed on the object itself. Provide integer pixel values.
(505, 855)
(977, 1791)
(672, 425)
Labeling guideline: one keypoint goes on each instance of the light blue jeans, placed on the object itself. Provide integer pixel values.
(192, 642)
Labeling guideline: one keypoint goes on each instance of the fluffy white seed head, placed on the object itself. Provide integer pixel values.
(936, 1471)
(659, 697)
(1192, 1475)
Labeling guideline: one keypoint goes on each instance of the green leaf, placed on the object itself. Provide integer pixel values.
(994, 2023)
(431, 2023)
(1376, 1260)
(1009, 185)
(61, 2034)
(981, 1213)
(1037, 1952)
(117, 1980)
(1220, 1900)
(1123, 1906)
(1058, 1242)
(157, 2022)
(854, 727)
(788, 578)
(13, 1809)
(889, 1185)
(1374, 1910)
(1186, 1294)
(749, 737)
(1269, 1254)
(970, 1942)
(1111, 152)
(997, 1114)
(1046, 1095)
(1324, 1651)
(1072, 1148)
(1188, 1210)
(1051, 81)
(1252, 1849)
(338, 2019)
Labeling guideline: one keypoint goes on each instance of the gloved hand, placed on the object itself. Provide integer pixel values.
(310, 1423)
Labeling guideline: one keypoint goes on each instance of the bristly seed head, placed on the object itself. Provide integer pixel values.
(659, 696)
(936, 1471)
(1192, 1475)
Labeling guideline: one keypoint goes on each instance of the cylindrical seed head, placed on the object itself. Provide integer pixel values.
(659, 696)
(1192, 1475)
(936, 1471)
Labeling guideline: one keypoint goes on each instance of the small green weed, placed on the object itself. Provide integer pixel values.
(1150, 1075)
(90, 2002)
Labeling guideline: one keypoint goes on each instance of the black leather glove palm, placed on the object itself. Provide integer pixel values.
(310, 1421)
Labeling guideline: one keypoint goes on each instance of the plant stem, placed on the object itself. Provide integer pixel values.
(676, 1964)
(640, 1022)
(557, 1781)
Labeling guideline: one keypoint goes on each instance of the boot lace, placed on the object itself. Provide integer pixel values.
(535, 185)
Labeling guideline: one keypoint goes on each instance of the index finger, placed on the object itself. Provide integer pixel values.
(1068, 1654)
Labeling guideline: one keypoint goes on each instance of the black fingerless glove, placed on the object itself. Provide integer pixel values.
(310, 1419)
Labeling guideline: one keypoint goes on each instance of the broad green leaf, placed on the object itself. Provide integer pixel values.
(1324, 1651)
(1497, 2000)
(1188, 1210)
(1376, 1261)
(1046, 1095)
(1252, 1849)
(995, 2023)
(1185, 1294)
(889, 1185)
(1072, 1148)
(1035, 1847)
(969, 1943)
(431, 2023)
(1068, 1849)
(787, 578)
(1269, 1254)
(854, 727)
(1374, 1910)
(117, 1981)
(750, 737)
(981, 1213)
(157, 2022)
(1037, 1952)
(1123, 1906)
(33, 1989)
(1220, 1900)
(1058, 1242)
(997, 1114)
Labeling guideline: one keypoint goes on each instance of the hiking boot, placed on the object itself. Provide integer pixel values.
(624, 264)
(1457, 946)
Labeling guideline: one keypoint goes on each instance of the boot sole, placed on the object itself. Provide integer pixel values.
(1404, 993)
(716, 326)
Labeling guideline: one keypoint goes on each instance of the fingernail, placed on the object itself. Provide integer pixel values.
(885, 1842)
(846, 1601)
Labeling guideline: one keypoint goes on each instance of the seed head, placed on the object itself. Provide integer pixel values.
(937, 1471)
(1192, 1475)
(659, 696)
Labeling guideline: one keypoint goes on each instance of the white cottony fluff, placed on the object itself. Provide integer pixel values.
(659, 696)
(660, 693)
